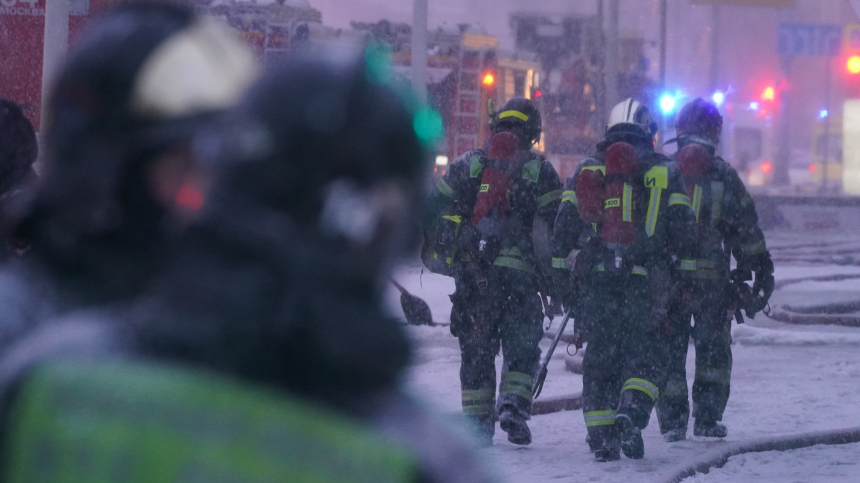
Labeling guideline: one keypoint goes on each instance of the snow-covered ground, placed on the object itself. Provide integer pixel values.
(786, 379)
(816, 464)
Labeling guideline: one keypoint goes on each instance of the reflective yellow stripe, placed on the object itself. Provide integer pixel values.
(642, 385)
(518, 383)
(717, 188)
(602, 169)
(514, 263)
(478, 394)
(754, 248)
(653, 211)
(627, 203)
(687, 265)
(599, 418)
(570, 196)
(548, 198)
(559, 263)
(697, 201)
(531, 170)
(657, 177)
(454, 218)
(679, 199)
(511, 252)
(444, 188)
(708, 269)
(475, 166)
(516, 114)
(637, 269)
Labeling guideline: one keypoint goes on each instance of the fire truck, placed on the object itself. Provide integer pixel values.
(22, 31)
(465, 67)
(466, 71)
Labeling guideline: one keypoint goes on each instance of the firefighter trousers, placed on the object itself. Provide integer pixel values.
(506, 315)
(712, 339)
(621, 370)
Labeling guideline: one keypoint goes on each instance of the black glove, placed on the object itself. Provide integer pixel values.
(459, 317)
(570, 300)
(761, 292)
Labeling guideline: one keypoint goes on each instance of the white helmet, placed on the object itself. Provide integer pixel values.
(631, 111)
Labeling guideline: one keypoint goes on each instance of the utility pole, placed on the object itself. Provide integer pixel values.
(783, 148)
(600, 97)
(825, 151)
(664, 11)
(54, 49)
(419, 49)
(663, 21)
(612, 56)
(715, 47)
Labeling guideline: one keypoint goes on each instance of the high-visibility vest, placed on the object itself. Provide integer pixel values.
(143, 422)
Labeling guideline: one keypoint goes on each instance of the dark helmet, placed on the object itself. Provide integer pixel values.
(700, 118)
(323, 139)
(18, 147)
(520, 117)
(139, 82)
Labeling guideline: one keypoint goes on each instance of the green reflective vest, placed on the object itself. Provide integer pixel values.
(139, 422)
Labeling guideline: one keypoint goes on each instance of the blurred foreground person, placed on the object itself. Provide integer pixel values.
(626, 214)
(142, 79)
(280, 280)
(486, 208)
(18, 152)
(726, 225)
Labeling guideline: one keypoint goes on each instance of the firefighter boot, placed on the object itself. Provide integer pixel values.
(673, 435)
(603, 442)
(513, 422)
(631, 437)
(709, 429)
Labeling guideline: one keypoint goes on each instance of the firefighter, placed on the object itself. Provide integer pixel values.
(493, 197)
(726, 225)
(623, 225)
(18, 180)
(275, 362)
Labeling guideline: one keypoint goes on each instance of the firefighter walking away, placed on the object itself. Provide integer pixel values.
(726, 225)
(493, 214)
(626, 220)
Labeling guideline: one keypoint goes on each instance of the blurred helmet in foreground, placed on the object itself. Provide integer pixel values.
(700, 118)
(141, 80)
(521, 117)
(631, 116)
(325, 139)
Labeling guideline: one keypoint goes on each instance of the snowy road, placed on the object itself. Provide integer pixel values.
(786, 379)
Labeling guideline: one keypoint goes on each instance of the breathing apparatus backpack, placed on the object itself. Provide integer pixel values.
(492, 205)
(607, 201)
(479, 239)
(693, 162)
